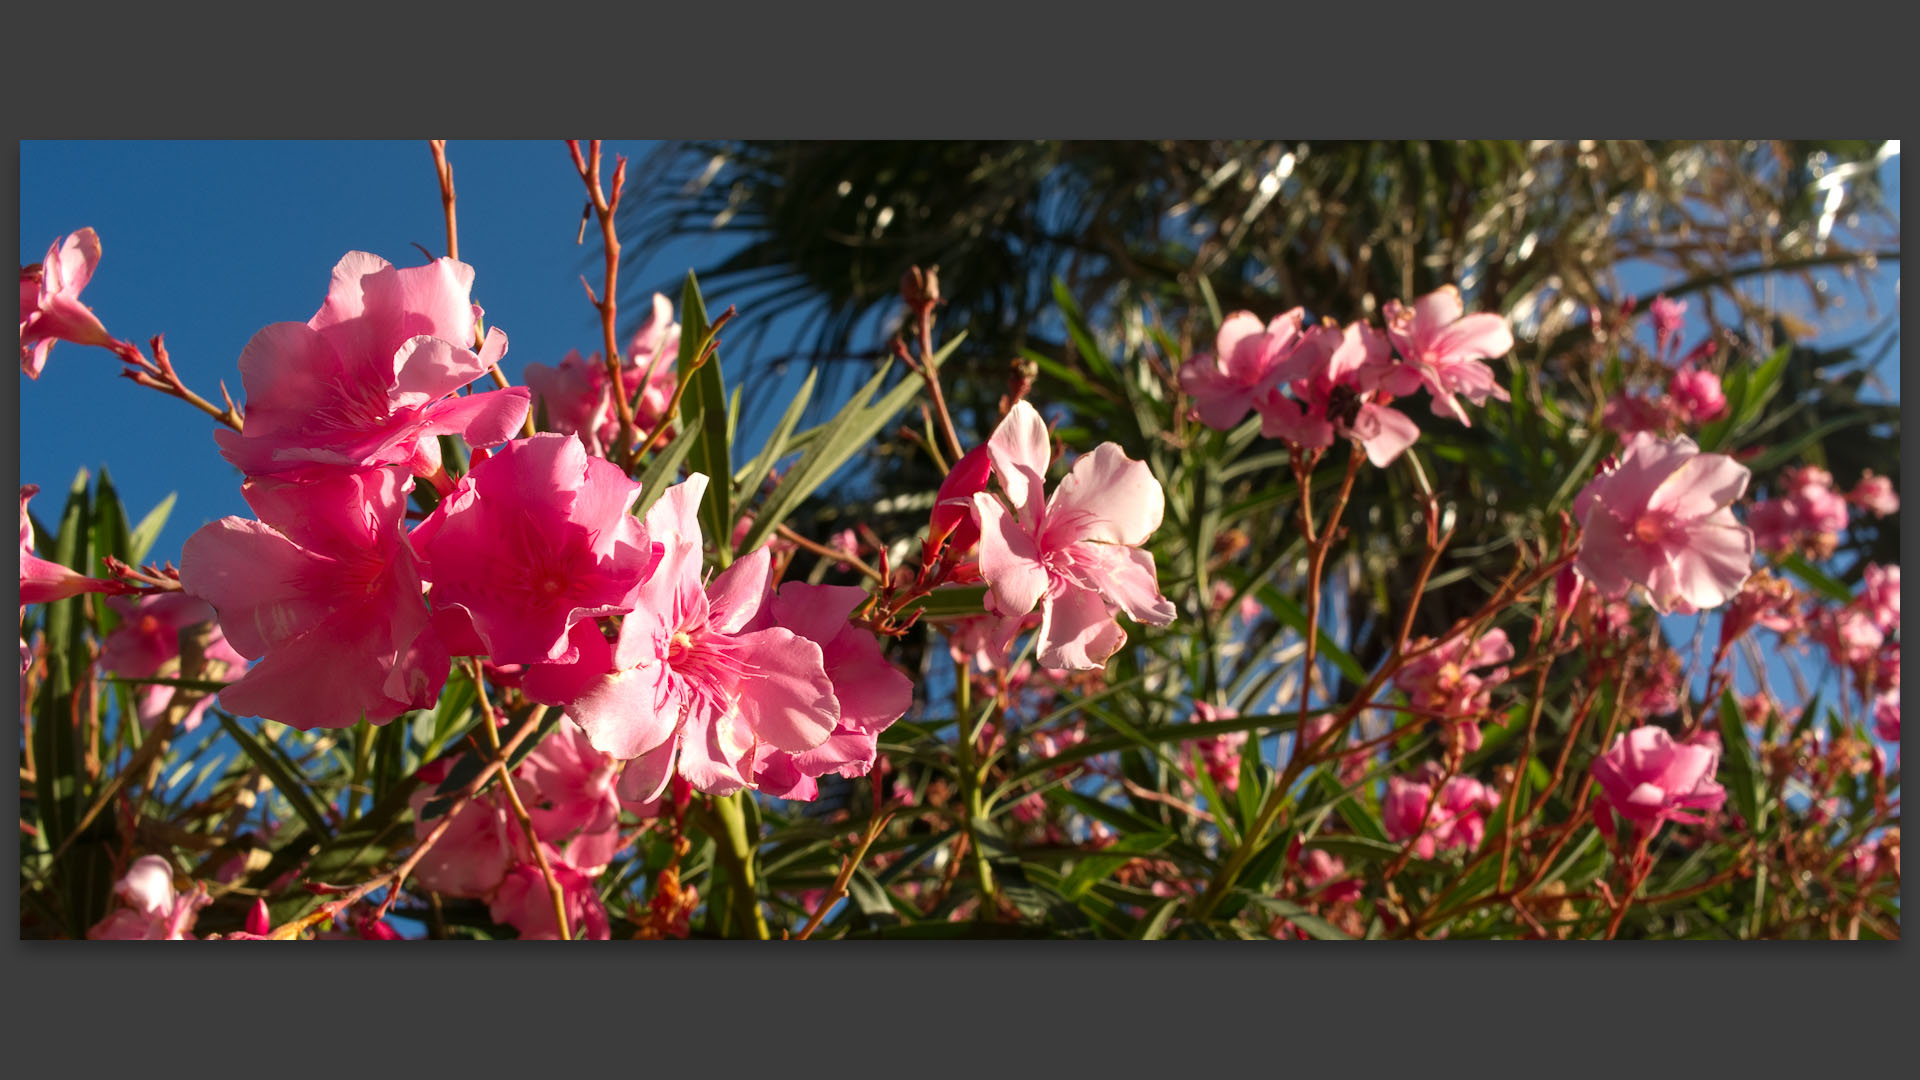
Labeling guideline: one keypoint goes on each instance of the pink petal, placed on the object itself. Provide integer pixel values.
(1077, 632)
(1107, 497)
(1009, 559)
(787, 700)
(627, 713)
(1020, 450)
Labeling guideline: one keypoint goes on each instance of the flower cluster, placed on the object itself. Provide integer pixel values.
(531, 561)
(1338, 381)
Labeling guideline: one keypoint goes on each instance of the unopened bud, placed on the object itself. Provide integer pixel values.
(920, 288)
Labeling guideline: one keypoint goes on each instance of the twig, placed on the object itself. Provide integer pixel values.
(491, 726)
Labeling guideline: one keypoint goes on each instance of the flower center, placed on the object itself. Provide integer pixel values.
(1651, 528)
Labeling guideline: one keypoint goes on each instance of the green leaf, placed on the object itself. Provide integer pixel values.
(1744, 778)
(1150, 737)
(140, 541)
(949, 602)
(292, 786)
(1356, 847)
(756, 471)
(1082, 337)
(843, 437)
(1093, 869)
(1815, 578)
(1291, 614)
(663, 467)
(705, 402)
(1314, 925)
(1154, 926)
(1775, 456)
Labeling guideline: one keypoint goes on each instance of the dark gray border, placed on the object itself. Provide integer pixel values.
(942, 69)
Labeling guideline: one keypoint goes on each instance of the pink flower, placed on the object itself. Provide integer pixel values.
(50, 307)
(652, 361)
(536, 540)
(1457, 822)
(152, 911)
(1695, 395)
(1765, 601)
(324, 592)
(1668, 318)
(1442, 681)
(1075, 555)
(1326, 874)
(688, 686)
(577, 394)
(573, 396)
(1886, 715)
(1221, 753)
(474, 854)
(1649, 779)
(1880, 599)
(568, 789)
(1331, 375)
(1875, 495)
(43, 581)
(523, 902)
(371, 378)
(872, 692)
(1662, 519)
(1628, 415)
(1442, 348)
(146, 645)
(1225, 384)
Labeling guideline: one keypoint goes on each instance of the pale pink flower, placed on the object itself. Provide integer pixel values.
(523, 902)
(50, 307)
(1442, 680)
(1886, 715)
(1326, 874)
(1442, 348)
(1075, 555)
(1765, 601)
(1628, 415)
(324, 592)
(43, 581)
(1875, 495)
(1246, 360)
(480, 844)
(1456, 822)
(1220, 754)
(568, 788)
(573, 397)
(146, 645)
(652, 362)
(1880, 599)
(844, 542)
(1332, 375)
(1648, 778)
(577, 395)
(872, 692)
(1695, 395)
(152, 910)
(688, 686)
(371, 378)
(1669, 316)
(536, 540)
(773, 542)
(1662, 519)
